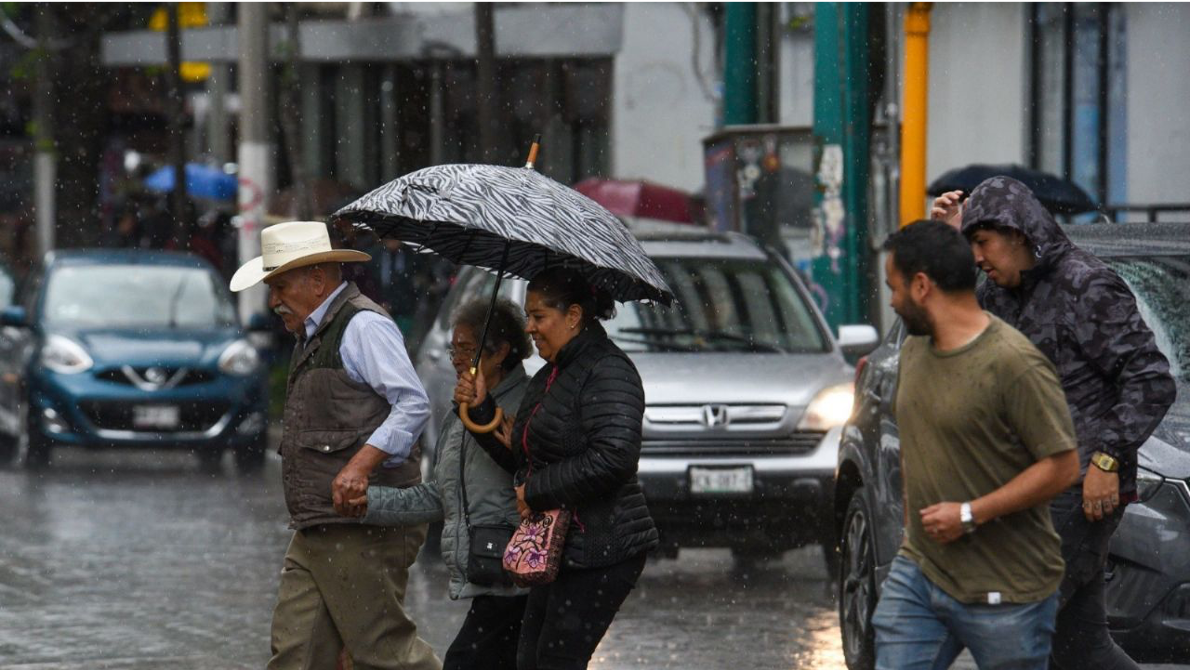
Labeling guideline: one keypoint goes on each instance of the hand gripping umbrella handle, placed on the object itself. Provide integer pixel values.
(474, 427)
(463, 407)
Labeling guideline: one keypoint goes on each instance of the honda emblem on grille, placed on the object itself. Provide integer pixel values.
(715, 415)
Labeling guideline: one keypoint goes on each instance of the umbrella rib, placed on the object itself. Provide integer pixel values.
(433, 230)
(471, 236)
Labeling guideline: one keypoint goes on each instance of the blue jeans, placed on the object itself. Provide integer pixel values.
(919, 627)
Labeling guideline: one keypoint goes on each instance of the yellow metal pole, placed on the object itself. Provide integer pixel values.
(913, 169)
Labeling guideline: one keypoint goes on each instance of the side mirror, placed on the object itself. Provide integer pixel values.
(14, 316)
(858, 340)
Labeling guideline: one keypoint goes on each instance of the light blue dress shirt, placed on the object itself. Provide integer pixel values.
(373, 353)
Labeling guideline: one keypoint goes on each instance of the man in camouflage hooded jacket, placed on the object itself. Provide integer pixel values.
(1084, 318)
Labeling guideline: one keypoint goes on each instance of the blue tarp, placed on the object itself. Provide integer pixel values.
(201, 182)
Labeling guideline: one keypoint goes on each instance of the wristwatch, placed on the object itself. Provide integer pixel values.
(966, 518)
(1105, 462)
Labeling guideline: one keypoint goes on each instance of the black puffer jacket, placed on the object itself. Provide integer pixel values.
(581, 449)
(1084, 318)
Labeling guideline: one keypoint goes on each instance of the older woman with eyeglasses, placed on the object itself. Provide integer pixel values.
(488, 638)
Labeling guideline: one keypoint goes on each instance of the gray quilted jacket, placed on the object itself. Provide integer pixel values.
(1083, 317)
(490, 494)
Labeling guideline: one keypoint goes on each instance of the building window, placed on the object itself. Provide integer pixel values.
(1078, 96)
(564, 100)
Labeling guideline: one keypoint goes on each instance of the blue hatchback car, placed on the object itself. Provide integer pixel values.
(129, 349)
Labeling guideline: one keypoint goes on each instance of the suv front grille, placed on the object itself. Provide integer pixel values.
(801, 442)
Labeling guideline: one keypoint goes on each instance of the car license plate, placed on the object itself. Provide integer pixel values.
(722, 480)
(155, 416)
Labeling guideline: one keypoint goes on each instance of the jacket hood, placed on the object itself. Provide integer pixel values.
(1008, 203)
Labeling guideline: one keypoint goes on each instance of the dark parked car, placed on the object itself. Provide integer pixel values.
(129, 348)
(1148, 563)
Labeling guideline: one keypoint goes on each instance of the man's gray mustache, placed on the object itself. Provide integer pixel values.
(282, 310)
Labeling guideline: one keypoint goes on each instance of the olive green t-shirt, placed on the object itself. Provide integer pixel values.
(970, 420)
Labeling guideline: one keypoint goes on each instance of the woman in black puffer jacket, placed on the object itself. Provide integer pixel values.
(575, 444)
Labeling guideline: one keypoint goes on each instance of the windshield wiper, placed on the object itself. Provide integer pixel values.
(709, 335)
(174, 301)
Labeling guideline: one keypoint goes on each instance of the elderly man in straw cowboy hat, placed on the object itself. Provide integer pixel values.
(353, 410)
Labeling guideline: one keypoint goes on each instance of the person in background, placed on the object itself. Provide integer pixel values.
(1117, 382)
(396, 267)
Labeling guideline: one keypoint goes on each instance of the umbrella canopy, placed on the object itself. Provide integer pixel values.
(478, 214)
(202, 181)
(639, 198)
(1060, 196)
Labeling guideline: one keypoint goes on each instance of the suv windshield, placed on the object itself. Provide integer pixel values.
(136, 296)
(1160, 285)
(738, 305)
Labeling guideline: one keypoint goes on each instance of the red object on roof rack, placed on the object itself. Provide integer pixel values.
(640, 198)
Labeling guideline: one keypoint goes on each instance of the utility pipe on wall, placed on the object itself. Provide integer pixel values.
(913, 167)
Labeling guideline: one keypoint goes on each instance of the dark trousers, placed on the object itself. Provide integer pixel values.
(565, 621)
(1081, 630)
(488, 638)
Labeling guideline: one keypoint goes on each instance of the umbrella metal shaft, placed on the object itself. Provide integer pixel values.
(475, 364)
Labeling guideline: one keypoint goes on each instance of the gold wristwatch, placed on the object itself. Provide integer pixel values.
(1105, 462)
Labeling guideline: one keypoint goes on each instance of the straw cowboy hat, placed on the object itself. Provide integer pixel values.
(289, 245)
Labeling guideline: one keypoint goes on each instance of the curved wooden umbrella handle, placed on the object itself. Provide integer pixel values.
(474, 427)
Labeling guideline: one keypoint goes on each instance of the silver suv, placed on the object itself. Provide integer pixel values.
(745, 391)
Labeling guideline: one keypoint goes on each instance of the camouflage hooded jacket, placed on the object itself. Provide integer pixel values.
(1084, 318)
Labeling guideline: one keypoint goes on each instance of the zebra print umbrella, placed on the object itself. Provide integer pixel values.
(475, 214)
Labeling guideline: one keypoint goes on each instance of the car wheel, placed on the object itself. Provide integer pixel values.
(857, 587)
(250, 459)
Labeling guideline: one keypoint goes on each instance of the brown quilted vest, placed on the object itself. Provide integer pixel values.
(328, 418)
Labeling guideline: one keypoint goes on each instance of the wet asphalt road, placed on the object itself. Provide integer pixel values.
(128, 560)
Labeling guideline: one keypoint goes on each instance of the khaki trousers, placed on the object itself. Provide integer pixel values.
(344, 586)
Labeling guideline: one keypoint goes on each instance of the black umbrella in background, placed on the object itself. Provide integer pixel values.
(1059, 195)
(511, 220)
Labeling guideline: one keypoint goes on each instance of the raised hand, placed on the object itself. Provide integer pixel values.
(949, 209)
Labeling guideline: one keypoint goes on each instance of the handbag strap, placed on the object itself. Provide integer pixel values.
(462, 483)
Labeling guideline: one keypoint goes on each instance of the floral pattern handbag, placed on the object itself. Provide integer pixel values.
(534, 553)
(533, 556)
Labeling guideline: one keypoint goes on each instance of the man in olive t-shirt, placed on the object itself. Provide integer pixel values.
(986, 442)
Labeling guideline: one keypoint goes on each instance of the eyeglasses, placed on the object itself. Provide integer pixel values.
(467, 353)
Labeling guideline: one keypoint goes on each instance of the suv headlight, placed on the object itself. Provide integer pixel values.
(62, 354)
(831, 408)
(239, 359)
